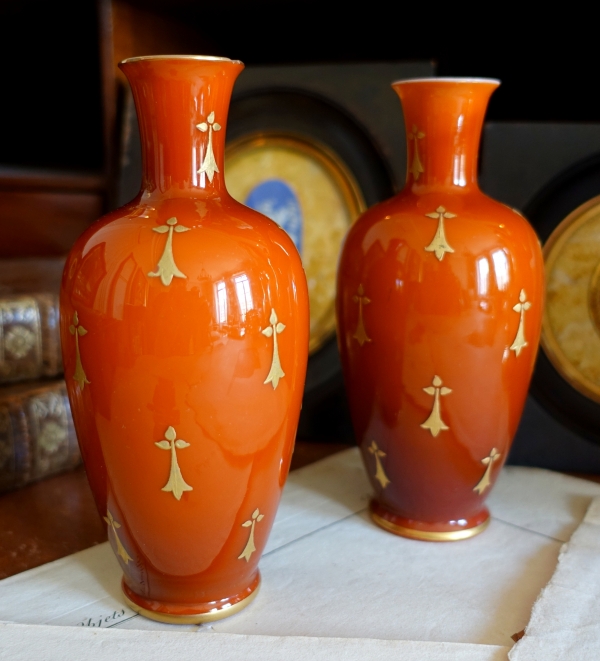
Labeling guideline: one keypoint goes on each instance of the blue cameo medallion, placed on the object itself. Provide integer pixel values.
(278, 201)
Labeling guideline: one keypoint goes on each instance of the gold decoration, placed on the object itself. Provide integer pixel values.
(360, 334)
(167, 269)
(440, 245)
(434, 422)
(52, 436)
(176, 484)
(209, 164)
(19, 341)
(21, 355)
(226, 610)
(521, 307)
(275, 373)
(120, 548)
(77, 330)
(416, 167)
(429, 535)
(380, 475)
(250, 547)
(488, 462)
(48, 420)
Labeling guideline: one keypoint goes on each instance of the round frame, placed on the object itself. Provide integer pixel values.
(552, 212)
(553, 249)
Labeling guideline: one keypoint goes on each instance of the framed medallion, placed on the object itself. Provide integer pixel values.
(566, 381)
(571, 326)
(310, 193)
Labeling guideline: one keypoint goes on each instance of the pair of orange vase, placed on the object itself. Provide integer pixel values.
(185, 328)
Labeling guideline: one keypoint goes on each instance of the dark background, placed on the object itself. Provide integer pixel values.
(62, 109)
(51, 106)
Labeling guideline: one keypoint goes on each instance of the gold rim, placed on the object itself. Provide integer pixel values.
(552, 249)
(198, 618)
(429, 536)
(340, 174)
(200, 58)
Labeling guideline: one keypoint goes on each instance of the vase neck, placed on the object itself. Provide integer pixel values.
(443, 119)
(182, 105)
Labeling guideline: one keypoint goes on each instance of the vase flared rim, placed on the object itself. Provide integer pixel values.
(198, 58)
(433, 79)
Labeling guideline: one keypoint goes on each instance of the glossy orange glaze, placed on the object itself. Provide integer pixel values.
(174, 371)
(438, 306)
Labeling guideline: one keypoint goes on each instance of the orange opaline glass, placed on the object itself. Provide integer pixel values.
(184, 321)
(440, 294)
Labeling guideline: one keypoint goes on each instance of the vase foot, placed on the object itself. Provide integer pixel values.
(430, 532)
(180, 614)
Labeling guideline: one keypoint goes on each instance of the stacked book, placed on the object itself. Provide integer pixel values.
(37, 437)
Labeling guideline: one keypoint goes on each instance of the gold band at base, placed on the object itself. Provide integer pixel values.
(428, 535)
(198, 618)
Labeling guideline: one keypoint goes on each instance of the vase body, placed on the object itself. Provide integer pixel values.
(185, 334)
(439, 301)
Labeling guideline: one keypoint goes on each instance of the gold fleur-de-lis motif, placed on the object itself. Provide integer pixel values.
(360, 334)
(176, 484)
(167, 269)
(521, 307)
(488, 462)
(120, 548)
(250, 547)
(440, 245)
(434, 422)
(209, 164)
(380, 475)
(275, 373)
(416, 167)
(78, 331)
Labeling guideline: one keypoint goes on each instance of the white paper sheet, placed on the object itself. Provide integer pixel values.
(28, 642)
(329, 572)
(540, 500)
(565, 622)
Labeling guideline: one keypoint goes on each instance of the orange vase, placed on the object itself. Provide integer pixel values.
(184, 321)
(439, 301)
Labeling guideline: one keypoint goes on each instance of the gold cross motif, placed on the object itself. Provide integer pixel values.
(434, 422)
(416, 167)
(488, 462)
(250, 547)
(167, 269)
(120, 548)
(380, 475)
(77, 330)
(360, 335)
(176, 484)
(209, 164)
(440, 245)
(521, 307)
(275, 373)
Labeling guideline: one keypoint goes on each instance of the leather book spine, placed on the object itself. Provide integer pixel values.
(29, 337)
(37, 436)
